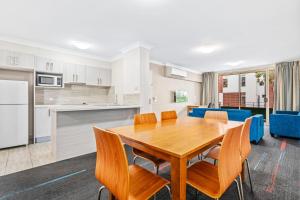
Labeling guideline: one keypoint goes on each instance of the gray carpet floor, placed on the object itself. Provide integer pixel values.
(274, 163)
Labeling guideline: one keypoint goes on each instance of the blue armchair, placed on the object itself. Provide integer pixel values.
(285, 123)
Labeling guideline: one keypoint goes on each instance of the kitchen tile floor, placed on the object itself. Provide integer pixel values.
(25, 157)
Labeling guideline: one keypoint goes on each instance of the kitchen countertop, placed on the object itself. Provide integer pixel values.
(65, 108)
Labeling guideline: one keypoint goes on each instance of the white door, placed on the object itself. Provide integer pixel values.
(105, 77)
(15, 59)
(92, 76)
(13, 92)
(23, 60)
(80, 74)
(42, 122)
(47, 65)
(69, 73)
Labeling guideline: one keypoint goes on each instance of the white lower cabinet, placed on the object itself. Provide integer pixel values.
(42, 124)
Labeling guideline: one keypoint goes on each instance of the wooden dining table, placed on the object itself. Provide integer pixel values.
(176, 141)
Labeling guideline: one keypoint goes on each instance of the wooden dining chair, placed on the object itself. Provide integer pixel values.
(218, 115)
(245, 148)
(112, 170)
(214, 180)
(165, 115)
(146, 118)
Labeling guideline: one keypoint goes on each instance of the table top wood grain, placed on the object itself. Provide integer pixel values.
(178, 137)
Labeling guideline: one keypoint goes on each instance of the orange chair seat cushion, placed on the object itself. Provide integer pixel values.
(147, 156)
(214, 153)
(204, 177)
(143, 183)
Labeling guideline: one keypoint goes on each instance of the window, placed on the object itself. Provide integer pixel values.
(243, 81)
(243, 99)
(225, 83)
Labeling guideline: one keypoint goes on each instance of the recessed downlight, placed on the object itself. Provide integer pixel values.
(81, 45)
(206, 49)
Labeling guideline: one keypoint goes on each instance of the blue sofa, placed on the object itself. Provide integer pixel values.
(285, 123)
(257, 125)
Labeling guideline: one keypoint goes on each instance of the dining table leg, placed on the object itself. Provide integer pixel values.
(178, 178)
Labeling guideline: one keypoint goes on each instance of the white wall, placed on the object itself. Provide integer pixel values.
(250, 88)
(233, 84)
(163, 88)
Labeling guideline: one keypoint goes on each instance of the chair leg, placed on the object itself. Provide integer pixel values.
(188, 163)
(200, 156)
(196, 194)
(238, 188)
(241, 186)
(249, 175)
(134, 159)
(169, 191)
(99, 192)
(156, 169)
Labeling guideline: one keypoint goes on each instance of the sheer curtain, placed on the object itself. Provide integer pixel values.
(287, 86)
(210, 89)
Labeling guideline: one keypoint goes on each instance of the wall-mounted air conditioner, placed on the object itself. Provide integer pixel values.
(175, 72)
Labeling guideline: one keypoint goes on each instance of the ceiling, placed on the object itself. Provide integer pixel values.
(247, 33)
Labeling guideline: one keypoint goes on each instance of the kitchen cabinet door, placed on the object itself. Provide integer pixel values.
(74, 73)
(92, 75)
(47, 65)
(16, 59)
(80, 74)
(42, 124)
(69, 71)
(105, 77)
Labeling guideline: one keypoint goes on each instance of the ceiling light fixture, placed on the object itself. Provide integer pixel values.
(81, 45)
(206, 49)
(237, 63)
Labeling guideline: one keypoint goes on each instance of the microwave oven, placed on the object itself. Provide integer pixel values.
(49, 80)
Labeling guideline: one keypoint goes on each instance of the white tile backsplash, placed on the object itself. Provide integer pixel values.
(75, 94)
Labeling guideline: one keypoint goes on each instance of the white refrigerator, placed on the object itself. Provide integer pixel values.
(13, 113)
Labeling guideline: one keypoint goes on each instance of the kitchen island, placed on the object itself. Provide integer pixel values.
(72, 133)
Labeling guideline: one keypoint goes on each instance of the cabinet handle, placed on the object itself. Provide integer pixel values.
(76, 77)
(16, 60)
(13, 60)
(47, 66)
(100, 81)
(9, 61)
(51, 66)
(73, 77)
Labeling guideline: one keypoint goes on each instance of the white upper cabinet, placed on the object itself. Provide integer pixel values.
(16, 59)
(48, 65)
(74, 73)
(98, 76)
(132, 73)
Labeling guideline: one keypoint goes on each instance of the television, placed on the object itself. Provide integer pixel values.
(180, 96)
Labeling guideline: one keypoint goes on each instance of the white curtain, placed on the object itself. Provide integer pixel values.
(287, 86)
(210, 89)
